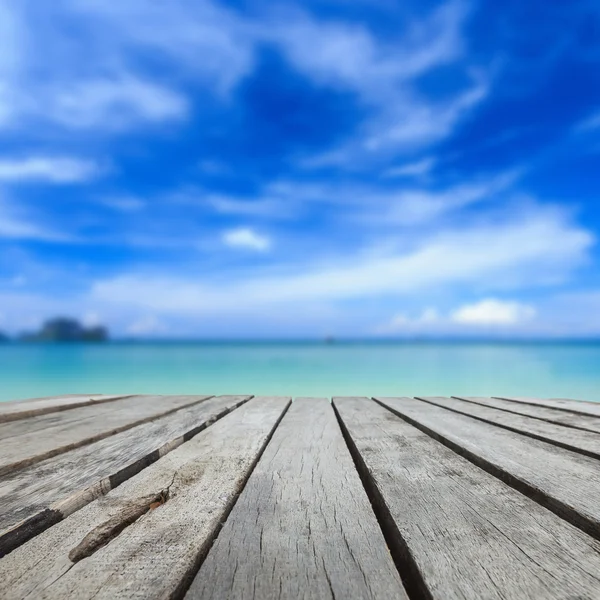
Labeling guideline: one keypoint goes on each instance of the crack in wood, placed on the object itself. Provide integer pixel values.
(103, 534)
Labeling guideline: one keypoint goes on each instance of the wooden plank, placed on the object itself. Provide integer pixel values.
(32, 440)
(586, 442)
(157, 554)
(581, 407)
(35, 498)
(23, 409)
(568, 483)
(303, 526)
(568, 419)
(459, 532)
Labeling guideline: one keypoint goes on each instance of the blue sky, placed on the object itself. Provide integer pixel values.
(199, 168)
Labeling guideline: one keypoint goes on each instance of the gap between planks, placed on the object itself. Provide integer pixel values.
(461, 532)
(40, 496)
(24, 409)
(565, 482)
(157, 555)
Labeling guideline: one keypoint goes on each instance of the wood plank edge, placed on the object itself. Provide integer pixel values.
(27, 529)
(560, 408)
(36, 412)
(407, 568)
(32, 460)
(530, 434)
(514, 412)
(188, 578)
(585, 524)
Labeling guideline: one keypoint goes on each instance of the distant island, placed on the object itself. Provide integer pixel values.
(3, 337)
(64, 329)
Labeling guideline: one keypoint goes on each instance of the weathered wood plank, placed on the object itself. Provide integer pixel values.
(32, 440)
(581, 407)
(586, 442)
(568, 483)
(460, 532)
(23, 409)
(36, 497)
(303, 526)
(156, 555)
(568, 419)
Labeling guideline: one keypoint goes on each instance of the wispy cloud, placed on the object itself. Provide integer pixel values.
(590, 123)
(406, 205)
(17, 224)
(118, 102)
(385, 76)
(100, 77)
(350, 56)
(513, 254)
(412, 169)
(52, 169)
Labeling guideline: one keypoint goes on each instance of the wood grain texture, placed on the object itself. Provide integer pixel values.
(566, 482)
(303, 526)
(585, 442)
(25, 442)
(568, 419)
(35, 498)
(581, 407)
(156, 555)
(462, 533)
(23, 409)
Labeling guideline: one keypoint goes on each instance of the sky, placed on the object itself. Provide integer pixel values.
(201, 168)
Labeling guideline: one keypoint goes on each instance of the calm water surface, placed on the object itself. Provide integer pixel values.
(570, 370)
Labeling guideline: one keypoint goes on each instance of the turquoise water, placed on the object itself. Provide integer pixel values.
(570, 370)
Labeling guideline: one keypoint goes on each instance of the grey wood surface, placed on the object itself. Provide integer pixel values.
(38, 496)
(586, 442)
(577, 406)
(303, 526)
(566, 482)
(460, 532)
(23, 409)
(32, 440)
(552, 415)
(156, 555)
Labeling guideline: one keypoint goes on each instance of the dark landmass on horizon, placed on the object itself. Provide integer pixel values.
(65, 329)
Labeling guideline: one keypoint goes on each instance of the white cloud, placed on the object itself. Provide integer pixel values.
(199, 38)
(99, 78)
(53, 169)
(517, 253)
(401, 205)
(418, 121)
(416, 206)
(349, 56)
(384, 75)
(493, 312)
(117, 103)
(413, 169)
(490, 312)
(17, 224)
(246, 238)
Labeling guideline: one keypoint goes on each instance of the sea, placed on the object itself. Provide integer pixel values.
(304, 368)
